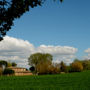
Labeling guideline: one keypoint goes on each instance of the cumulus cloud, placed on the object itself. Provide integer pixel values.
(59, 53)
(87, 51)
(15, 50)
(18, 50)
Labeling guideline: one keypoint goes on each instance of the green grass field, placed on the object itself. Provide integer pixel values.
(73, 81)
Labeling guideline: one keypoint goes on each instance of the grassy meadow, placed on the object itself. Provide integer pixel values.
(70, 81)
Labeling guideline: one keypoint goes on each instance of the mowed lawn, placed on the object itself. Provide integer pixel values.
(72, 81)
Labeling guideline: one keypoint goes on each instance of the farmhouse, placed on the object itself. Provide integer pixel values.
(20, 71)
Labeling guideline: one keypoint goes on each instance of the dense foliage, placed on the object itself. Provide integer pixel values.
(8, 72)
(42, 64)
(4, 67)
(32, 68)
(86, 64)
(3, 62)
(7, 64)
(76, 67)
(36, 58)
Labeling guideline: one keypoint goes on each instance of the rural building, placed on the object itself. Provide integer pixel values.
(20, 71)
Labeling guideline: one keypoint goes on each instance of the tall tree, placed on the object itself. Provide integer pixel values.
(63, 67)
(40, 60)
(37, 58)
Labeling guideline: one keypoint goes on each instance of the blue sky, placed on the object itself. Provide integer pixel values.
(58, 24)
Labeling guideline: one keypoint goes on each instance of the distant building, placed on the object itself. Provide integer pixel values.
(20, 71)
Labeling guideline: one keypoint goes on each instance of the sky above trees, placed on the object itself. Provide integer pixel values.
(61, 29)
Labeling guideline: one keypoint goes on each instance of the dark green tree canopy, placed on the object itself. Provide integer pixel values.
(13, 9)
(2, 62)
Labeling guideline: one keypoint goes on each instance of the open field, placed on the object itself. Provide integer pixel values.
(74, 81)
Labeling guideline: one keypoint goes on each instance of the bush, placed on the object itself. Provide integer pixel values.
(32, 68)
(42, 68)
(76, 67)
(53, 70)
(46, 68)
(8, 71)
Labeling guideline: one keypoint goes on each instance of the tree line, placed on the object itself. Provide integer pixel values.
(42, 63)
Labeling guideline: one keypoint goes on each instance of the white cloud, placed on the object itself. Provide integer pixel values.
(18, 50)
(87, 51)
(60, 53)
(15, 49)
(57, 49)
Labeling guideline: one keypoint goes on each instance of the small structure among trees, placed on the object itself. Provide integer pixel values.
(7, 68)
(18, 71)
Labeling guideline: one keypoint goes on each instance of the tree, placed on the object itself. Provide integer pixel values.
(76, 67)
(39, 58)
(14, 64)
(32, 69)
(77, 60)
(43, 67)
(13, 9)
(63, 67)
(86, 64)
(2, 62)
(36, 58)
(53, 69)
(3, 65)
